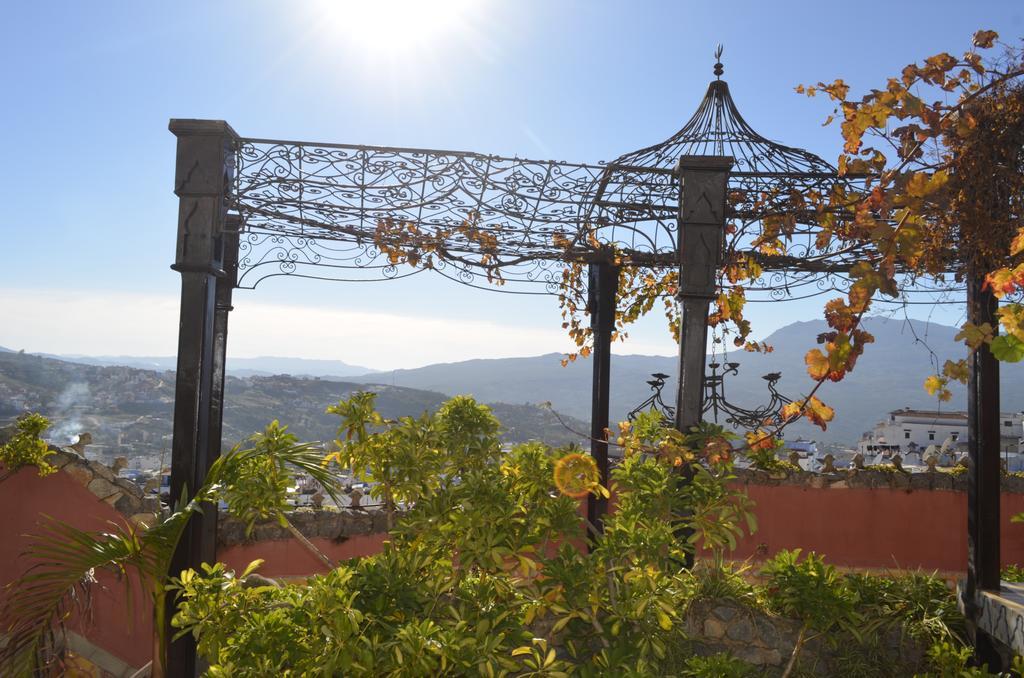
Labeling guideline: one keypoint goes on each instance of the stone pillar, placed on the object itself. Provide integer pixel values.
(703, 181)
(202, 181)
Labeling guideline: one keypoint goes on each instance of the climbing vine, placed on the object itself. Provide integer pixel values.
(931, 189)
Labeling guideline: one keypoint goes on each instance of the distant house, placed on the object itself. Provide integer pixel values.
(910, 431)
(807, 451)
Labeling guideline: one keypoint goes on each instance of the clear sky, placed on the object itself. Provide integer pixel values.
(89, 215)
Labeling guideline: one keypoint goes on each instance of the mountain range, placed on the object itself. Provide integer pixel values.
(262, 366)
(887, 377)
(128, 411)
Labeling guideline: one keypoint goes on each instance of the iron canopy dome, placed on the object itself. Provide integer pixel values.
(639, 190)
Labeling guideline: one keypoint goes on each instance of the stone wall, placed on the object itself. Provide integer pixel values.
(873, 478)
(338, 525)
(122, 494)
(101, 480)
(767, 641)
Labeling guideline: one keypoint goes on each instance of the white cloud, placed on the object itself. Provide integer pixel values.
(88, 322)
(127, 323)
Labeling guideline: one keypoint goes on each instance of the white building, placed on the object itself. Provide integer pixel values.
(910, 431)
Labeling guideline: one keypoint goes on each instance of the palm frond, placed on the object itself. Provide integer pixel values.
(65, 560)
(306, 457)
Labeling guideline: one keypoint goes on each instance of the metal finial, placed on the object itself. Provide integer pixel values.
(719, 69)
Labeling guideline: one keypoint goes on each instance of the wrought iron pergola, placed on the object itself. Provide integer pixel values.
(255, 208)
(716, 404)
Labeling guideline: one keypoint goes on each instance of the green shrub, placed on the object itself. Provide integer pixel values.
(1012, 573)
(26, 448)
(808, 589)
(922, 605)
(483, 574)
(720, 665)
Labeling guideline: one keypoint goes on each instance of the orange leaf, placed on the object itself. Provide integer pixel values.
(975, 335)
(791, 410)
(818, 412)
(1017, 244)
(985, 39)
(817, 364)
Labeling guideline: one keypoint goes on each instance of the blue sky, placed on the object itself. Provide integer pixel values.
(89, 216)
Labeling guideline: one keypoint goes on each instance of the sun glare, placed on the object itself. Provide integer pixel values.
(397, 28)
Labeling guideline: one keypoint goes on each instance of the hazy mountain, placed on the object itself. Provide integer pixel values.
(241, 367)
(887, 377)
(128, 410)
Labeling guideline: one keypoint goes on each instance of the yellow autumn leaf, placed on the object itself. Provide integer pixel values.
(934, 384)
(1011, 318)
(817, 364)
(791, 410)
(820, 410)
(956, 371)
(975, 335)
(1017, 244)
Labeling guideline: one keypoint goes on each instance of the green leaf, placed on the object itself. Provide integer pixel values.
(1007, 348)
(250, 568)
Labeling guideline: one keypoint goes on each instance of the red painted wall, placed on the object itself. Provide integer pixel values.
(25, 499)
(288, 558)
(870, 528)
(875, 528)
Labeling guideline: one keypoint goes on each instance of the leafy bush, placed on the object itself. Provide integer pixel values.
(1012, 573)
(26, 448)
(258, 489)
(717, 666)
(717, 579)
(921, 604)
(483, 573)
(808, 589)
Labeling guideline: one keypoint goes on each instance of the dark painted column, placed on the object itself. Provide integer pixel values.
(983, 471)
(224, 289)
(703, 181)
(202, 180)
(601, 294)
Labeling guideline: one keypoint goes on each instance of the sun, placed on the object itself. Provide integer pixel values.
(397, 28)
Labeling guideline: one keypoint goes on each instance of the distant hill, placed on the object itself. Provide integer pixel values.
(887, 377)
(128, 409)
(241, 367)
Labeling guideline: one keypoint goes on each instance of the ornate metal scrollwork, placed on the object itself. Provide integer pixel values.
(314, 209)
(654, 402)
(715, 401)
(717, 404)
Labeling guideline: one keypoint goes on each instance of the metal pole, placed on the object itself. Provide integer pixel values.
(601, 294)
(703, 181)
(983, 472)
(202, 180)
(224, 288)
